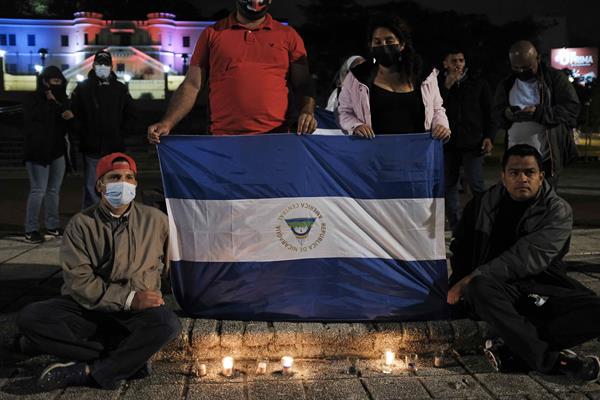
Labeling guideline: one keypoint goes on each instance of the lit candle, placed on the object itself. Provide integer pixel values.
(261, 367)
(411, 361)
(388, 361)
(228, 366)
(287, 363)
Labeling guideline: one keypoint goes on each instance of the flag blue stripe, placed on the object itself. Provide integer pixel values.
(276, 166)
(332, 289)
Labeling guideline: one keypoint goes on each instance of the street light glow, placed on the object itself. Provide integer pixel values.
(38, 68)
(79, 78)
(127, 78)
(166, 69)
(2, 53)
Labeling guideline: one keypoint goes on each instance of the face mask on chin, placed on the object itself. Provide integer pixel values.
(253, 10)
(387, 55)
(102, 71)
(119, 194)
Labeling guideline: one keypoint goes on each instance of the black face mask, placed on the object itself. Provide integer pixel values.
(387, 55)
(250, 14)
(58, 91)
(525, 75)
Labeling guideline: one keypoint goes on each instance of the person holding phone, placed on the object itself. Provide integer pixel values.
(537, 105)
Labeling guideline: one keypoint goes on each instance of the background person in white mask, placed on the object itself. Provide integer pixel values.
(104, 114)
(111, 316)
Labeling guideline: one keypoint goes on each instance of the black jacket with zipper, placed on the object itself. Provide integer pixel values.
(558, 110)
(104, 114)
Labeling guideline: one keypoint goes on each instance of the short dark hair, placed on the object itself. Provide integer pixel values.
(522, 150)
(456, 49)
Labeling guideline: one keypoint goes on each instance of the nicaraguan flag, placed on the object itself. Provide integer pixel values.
(286, 227)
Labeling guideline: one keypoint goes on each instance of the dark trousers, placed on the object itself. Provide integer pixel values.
(534, 334)
(115, 345)
(472, 164)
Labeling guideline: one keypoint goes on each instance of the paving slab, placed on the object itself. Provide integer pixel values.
(347, 389)
(395, 389)
(205, 338)
(11, 247)
(84, 393)
(139, 390)
(454, 387)
(292, 390)
(584, 242)
(226, 391)
(232, 333)
(512, 384)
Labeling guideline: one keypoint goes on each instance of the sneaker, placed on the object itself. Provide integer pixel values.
(585, 368)
(55, 232)
(62, 375)
(34, 237)
(501, 358)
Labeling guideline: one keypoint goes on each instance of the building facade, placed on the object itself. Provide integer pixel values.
(142, 49)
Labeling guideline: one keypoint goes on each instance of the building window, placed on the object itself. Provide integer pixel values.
(30, 40)
(12, 68)
(64, 67)
(64, 40)
(3, 39)
(120, 67)
(12, 39)
(85, 38)
(186, 41)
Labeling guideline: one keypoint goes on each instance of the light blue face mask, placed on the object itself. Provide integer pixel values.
(102, 71)
(119, 194)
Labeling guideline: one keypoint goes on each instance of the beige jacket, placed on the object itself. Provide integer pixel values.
(104, 258)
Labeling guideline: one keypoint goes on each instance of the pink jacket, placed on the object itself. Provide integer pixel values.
(354, 108)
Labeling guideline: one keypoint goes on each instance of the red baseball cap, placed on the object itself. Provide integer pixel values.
(108, 163)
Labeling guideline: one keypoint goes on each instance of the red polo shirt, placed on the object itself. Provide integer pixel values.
(247, 74)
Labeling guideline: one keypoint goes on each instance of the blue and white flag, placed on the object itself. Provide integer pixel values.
(286, 227)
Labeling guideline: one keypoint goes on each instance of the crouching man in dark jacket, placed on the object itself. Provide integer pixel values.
(111, 316)
(508, 271)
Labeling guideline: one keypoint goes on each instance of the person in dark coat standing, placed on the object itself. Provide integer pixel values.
(104, 114)
(46, 121)
(468, 103)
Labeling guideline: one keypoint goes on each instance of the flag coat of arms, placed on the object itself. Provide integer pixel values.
(286, 227)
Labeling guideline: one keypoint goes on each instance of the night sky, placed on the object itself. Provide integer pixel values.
(582, 17)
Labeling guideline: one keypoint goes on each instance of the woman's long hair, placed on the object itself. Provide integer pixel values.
(411, 66)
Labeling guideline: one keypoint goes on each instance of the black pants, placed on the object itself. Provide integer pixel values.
(115, 345)
(535, 334)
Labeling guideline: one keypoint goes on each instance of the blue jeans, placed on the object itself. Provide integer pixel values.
(89, 181)
(472, 164)
(45, 181)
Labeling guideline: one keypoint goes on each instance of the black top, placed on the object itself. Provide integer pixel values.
(396, 112)
(504, 233)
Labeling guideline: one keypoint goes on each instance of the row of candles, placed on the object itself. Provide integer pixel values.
(389, 363)
(287, 363)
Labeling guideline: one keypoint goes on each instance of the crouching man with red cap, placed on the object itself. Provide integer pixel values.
(111, 316)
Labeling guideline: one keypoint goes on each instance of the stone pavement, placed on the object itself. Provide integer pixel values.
(324, 352)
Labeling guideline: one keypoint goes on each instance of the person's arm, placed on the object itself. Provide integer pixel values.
(181, 104)
(129, 113)
(565, 106)
(440, 127)
(485, 100)
(534, 252)
(345, 114)
(303, 87)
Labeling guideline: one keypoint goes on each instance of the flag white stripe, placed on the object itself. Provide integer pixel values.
(257, 231)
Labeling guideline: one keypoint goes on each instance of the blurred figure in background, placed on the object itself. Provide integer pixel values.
(47, 112)
(467, 100)
(351, 62)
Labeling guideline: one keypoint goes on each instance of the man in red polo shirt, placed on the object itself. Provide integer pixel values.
(249, 59)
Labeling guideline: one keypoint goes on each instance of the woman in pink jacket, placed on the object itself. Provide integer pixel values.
(382, 96)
